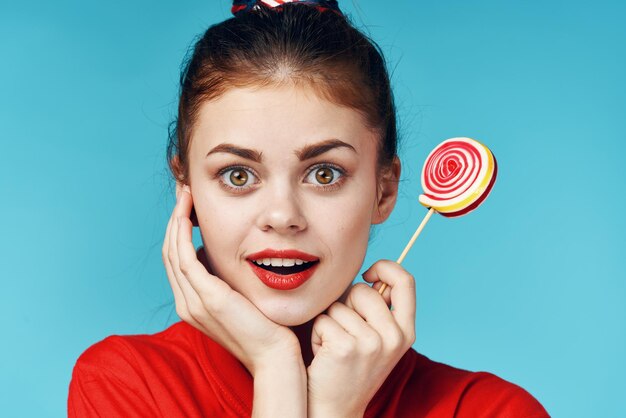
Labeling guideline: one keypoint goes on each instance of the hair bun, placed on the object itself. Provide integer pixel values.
(244, 6)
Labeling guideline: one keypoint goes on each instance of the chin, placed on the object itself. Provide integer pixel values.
(289, 315)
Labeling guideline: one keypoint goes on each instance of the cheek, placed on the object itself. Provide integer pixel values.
(213, 221)
(347, 232)
(352, 226)
(222, 226)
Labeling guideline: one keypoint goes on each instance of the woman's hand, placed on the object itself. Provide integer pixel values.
(357, 343)
(213, 307)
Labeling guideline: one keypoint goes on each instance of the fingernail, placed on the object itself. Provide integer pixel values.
(186, 189)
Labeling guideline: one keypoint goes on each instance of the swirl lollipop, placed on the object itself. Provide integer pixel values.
(457, 177)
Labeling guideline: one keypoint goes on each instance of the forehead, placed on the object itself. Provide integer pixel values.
(278, 117)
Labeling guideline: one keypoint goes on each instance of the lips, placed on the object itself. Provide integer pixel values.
(277, 277)
(269, 253)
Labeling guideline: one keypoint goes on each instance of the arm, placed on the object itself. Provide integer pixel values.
(269, 351)
(357, 344)
(280, 389)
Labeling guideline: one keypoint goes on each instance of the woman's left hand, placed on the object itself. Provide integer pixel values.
(357, 344)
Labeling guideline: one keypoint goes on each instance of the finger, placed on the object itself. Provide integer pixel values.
(329, 334)
(192, 298)
(184, 203)
(202, 258)
(192, 213)
(386, 293)
(204, 284)
(356, 326)
(179, 299)
(368, 304)
(402, 294)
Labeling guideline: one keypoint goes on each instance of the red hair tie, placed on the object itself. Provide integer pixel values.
(244, 6)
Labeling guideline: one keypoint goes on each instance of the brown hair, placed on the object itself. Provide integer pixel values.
(294, 44)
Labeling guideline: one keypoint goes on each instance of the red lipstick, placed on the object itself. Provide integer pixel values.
(269, 253)
(283, 281)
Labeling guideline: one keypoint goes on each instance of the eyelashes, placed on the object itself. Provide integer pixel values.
(240, 179)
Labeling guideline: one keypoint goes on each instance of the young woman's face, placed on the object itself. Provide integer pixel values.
(279, 168)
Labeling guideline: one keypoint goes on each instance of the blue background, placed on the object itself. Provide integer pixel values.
(530, 286)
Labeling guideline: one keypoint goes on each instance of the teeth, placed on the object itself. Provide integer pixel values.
(280, 262)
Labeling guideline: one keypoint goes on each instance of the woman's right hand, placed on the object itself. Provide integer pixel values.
(213, 307)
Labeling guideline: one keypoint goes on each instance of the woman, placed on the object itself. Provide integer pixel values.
(284, 155)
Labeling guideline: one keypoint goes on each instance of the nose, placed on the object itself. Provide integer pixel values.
(282, 212)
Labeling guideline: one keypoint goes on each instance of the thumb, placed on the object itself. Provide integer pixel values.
(370, 276)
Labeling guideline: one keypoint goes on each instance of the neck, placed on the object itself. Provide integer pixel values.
(303, 332)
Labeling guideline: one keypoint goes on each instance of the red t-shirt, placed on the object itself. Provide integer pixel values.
(180, 372)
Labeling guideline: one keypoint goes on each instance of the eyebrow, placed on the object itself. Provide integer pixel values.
(246, 153)
(306, 153)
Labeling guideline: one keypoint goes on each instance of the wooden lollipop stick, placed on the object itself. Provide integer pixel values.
(410, 244)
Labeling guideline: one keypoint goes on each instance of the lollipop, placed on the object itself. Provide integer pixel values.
(457, 177)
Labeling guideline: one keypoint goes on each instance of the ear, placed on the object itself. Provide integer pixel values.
(387, 192)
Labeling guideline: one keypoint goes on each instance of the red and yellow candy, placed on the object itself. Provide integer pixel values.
(457, 176)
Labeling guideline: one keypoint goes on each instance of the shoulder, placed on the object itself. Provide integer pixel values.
(117, 375)
(496, 397)
(119, 353)
(464, 393)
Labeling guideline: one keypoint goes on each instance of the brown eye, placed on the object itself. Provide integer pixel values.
(238, 177)
(324, 175)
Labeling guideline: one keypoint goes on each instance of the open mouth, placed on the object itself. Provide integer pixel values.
(285, 270)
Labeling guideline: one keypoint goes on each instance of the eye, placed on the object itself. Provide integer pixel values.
(237, 177)
(324, 175)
